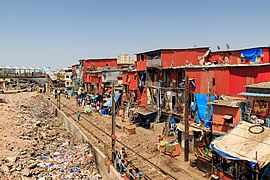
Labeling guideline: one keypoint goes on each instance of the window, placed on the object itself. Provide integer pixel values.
(228, 118)
(213, 81)
(67, 77)
(142, 57)
(107, 65)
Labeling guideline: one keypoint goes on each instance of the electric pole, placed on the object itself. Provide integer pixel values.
(186, 118)
(58, 91)
(113, 122)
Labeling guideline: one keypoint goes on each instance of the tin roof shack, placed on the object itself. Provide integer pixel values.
(226, 79)
(130, 86)
(241, 56)
(226, 114)
(157, 70)
(242, 152)
(257, 103)
(92, 72)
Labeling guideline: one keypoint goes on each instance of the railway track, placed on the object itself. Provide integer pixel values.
(149, 169)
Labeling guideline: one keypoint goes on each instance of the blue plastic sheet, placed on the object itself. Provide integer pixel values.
(70, 92)
(95, 96)
(202, 110)
(251, 54)
(143, 73)
(116, 98)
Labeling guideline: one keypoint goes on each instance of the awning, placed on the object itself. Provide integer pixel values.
(241, 144)
(145, 112)
(227, 117)
(254, 94)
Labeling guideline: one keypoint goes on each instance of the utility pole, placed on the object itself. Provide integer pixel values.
(186, 118)
(113, 122)
(209, 97)
(58, 91)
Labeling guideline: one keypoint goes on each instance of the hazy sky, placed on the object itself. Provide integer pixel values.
(57, 33)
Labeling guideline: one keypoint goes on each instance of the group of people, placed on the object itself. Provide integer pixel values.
(124, 166)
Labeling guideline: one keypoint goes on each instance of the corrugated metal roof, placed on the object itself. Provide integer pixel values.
(232, 50)
(254, 94)
(172, 49)
(264, 85)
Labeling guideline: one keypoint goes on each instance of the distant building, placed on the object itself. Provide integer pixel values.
(68, 77)
(76, 76)
(124, 59)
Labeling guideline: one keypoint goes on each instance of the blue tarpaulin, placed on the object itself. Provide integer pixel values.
(94, 97)
(251, 54)
(70, 92)
(202, 109)
(116, 98)
(143, 74)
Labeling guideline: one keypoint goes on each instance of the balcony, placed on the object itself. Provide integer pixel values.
(154, 62)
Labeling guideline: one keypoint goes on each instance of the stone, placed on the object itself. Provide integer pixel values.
(23, 152)
(12, 169)
(25, 172)
(5, 169)
(26, 178)
(38, 123)
(52, 133)
(31, 166)
(19, 167)
(11, 159)
(10, 164)
(41, 165)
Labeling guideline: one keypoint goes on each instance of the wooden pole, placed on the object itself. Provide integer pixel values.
(58, 91)
(113, 122)
(186, 114)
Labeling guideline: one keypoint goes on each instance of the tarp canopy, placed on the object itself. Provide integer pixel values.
(251, 54)
(202, 107)
(242, 144)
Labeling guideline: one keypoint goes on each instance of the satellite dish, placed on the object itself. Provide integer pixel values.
(227, 45)
(218, 47)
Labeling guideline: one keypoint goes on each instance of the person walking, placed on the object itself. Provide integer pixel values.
(78, 115)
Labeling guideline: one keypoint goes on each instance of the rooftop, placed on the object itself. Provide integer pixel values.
(263, 85)
(228, 101)
(232, 50)
(173, 49)
(217, 66)
(97, 59)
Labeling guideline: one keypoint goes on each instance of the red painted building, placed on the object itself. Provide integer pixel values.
(236, 56)
(95, 64)
(228, 79)
(160, 63)
(92, 69)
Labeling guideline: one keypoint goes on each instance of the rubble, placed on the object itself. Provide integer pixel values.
(37, 144)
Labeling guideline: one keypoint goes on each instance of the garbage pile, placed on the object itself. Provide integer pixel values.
(51, 152)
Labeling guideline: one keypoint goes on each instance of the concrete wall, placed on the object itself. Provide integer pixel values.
(82, 136)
